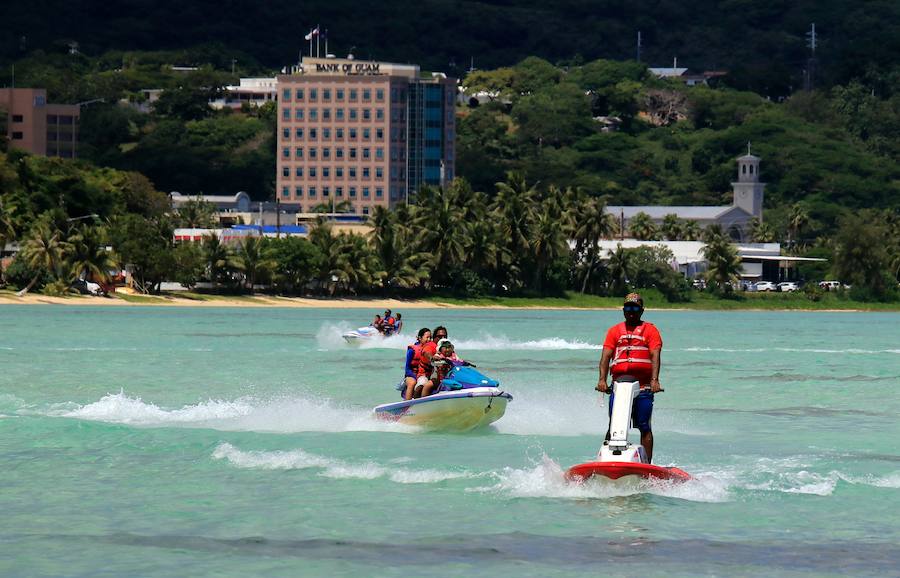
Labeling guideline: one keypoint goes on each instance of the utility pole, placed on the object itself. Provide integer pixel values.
(277, 217)
(810, 75)
(638, 56)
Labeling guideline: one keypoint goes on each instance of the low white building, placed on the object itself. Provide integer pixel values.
(251, 91)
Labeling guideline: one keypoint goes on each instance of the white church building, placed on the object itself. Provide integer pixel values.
(734, 218)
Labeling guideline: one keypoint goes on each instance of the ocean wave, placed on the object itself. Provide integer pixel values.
(331, 468)
(546, 479)
(278, 415)
(329, 338)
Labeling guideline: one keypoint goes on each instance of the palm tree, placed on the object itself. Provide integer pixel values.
(761, 232)
(548, 240)
(7, 228)
(798, 217)
(218, 258)
(723, 261)
(641, 227)
(671, 227)
(254, 259)
(620, 270)
(197, 213)
(444, 229)
(44, 251)
(513, 209)
(690, 230)
(90, 257)
(593, 223)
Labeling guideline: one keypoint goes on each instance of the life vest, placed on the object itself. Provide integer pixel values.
(632, 354)
(416, 359)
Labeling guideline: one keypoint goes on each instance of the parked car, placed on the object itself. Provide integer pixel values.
(788, 286)
(87, 287)
(765, 286)
(830, 285)
(699, 284)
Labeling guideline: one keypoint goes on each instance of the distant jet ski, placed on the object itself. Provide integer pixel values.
(466, 400)
(618, 457)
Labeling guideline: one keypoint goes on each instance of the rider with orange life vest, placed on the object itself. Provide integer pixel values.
(634, 348)
(424, 383)
(413, 362)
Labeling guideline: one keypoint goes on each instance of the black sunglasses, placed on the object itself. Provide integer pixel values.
(632, 308)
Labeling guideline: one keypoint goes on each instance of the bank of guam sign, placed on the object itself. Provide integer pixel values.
(349, 68)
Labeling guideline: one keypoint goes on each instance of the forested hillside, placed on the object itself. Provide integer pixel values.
(761, 42)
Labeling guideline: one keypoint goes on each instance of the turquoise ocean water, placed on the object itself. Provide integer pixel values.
(239, 442)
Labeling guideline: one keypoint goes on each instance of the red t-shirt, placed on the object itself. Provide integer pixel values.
(643, 335)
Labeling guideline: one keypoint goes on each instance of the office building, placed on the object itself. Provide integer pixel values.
(37, 127)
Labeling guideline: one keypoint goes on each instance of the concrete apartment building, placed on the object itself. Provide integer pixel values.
(366, 132)
(37, 127)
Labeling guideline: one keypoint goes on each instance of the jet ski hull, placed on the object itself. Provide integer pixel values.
(460, 410)
(362, 334)
(616, 470)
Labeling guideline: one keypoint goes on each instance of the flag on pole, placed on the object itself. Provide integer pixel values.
(312, 33)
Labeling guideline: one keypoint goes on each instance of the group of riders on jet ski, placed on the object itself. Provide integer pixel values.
(388, 325)
(428, 361)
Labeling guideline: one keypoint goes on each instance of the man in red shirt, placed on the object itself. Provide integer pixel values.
(634, 348)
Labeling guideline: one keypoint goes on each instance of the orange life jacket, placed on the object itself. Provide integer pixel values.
(632, 354)
(416, 360)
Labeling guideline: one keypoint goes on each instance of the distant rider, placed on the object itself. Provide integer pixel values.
(413, 359)
(388, 322)
(634, 348)
(398, 323)
(378, 323)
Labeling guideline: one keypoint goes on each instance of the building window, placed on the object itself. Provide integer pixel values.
(326, 152)
(339, 172)
(339, 113)
(379, 193)
(20, 118)
(339, 152)
(325, 192)
(326, 172)
(352, 152)
(365, 210)
(298, 192)
(326, 114)
(299, 94)
(365, 192)
(299, 133)
(379, 133)
(339, 192)
(312, 192)
(352, 192)
(352, 133)
(299, 152)
(285, 152)
(313, 134)
(285, 192)
(298, 171)
(379, 113)
(340, 94)
(313, 114)
(352, 172)
(286, 114)
(379, 173)
(298, 114)
(326, 133)
(285, 171)
(353, 94)
(365, 172)
(326, 94)
(366, 153)
(312, 172)
(379, 94)
(339, 133)
(285, 133)
(352, 114)
(367, 94)
(286, 94)
(379, 153)
(313, 94)
(312, 152)
(367, 114)
(367, 134)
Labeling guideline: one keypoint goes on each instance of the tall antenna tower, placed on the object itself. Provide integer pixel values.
(638, 57)
(809, 76)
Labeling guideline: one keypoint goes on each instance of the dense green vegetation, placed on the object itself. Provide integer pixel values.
(760, 42)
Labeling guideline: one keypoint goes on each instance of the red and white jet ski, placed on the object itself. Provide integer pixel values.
(618, 457)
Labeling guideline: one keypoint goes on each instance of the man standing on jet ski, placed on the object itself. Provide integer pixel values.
(634, 348)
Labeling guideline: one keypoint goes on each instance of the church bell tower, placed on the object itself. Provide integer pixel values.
(748, 190)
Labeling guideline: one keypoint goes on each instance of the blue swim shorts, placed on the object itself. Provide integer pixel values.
(641, 411)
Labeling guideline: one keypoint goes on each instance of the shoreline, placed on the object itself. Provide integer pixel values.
(271, 301)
